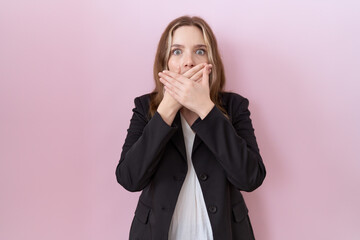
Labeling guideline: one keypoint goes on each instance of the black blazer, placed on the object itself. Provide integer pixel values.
(225, 156)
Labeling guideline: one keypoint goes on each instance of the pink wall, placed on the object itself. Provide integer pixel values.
(69, 71)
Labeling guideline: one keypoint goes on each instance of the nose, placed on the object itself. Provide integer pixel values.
(188, 61)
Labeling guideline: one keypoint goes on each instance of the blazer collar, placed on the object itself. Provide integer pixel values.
(178, 138)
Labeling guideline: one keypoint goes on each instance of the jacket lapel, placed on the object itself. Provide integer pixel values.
(197, 142)
(178, 138)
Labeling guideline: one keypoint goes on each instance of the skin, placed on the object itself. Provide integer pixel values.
(186, 83)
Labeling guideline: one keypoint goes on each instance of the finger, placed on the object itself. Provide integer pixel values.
(206, 73)
(197, 75)
(172, 93)
(189, 73)
(173, 81)
(168, 75)
(172, 84)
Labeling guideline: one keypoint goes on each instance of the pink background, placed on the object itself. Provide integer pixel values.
(70, 70)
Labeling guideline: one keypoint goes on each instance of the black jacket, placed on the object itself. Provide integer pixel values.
(225, 156)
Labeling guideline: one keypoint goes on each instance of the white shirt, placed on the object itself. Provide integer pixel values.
(190, 220)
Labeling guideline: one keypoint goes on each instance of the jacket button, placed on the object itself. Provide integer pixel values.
(212, 209)
(203, 177)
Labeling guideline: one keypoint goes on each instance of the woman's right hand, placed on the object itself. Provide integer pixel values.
(169, 101)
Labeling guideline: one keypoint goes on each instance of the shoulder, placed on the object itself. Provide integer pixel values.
(231, 100)
(227, 95)
(235, 105)
(143, 99)
(142, 105)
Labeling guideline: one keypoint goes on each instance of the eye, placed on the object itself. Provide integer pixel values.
(176, 51)
(200, 52)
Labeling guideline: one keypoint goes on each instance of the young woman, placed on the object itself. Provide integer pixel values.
(190, 146)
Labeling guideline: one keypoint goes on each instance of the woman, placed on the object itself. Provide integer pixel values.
(190, 147)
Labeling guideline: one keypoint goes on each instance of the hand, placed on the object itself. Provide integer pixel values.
(194, 74)
(192, 94)
(169, 101)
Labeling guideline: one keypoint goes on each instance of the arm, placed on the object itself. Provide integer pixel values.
(142, 149)
(234, 145)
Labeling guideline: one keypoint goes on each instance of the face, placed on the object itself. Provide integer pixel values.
(188, 49)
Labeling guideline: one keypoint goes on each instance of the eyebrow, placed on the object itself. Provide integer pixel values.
(182, 46)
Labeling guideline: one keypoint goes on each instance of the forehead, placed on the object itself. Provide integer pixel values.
(188, 35)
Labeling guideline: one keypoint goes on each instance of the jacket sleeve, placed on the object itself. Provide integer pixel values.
(143, 147)
(234, 144)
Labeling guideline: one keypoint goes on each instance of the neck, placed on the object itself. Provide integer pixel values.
(189, 115)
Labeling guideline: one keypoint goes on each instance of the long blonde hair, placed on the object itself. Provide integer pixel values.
(217, 75)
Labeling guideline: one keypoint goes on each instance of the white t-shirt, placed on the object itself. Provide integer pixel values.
(190, 220)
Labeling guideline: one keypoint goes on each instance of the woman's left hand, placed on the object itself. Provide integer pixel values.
(193, 95)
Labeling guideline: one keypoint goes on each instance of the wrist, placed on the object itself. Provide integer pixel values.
(167, 113)
(205, 109)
